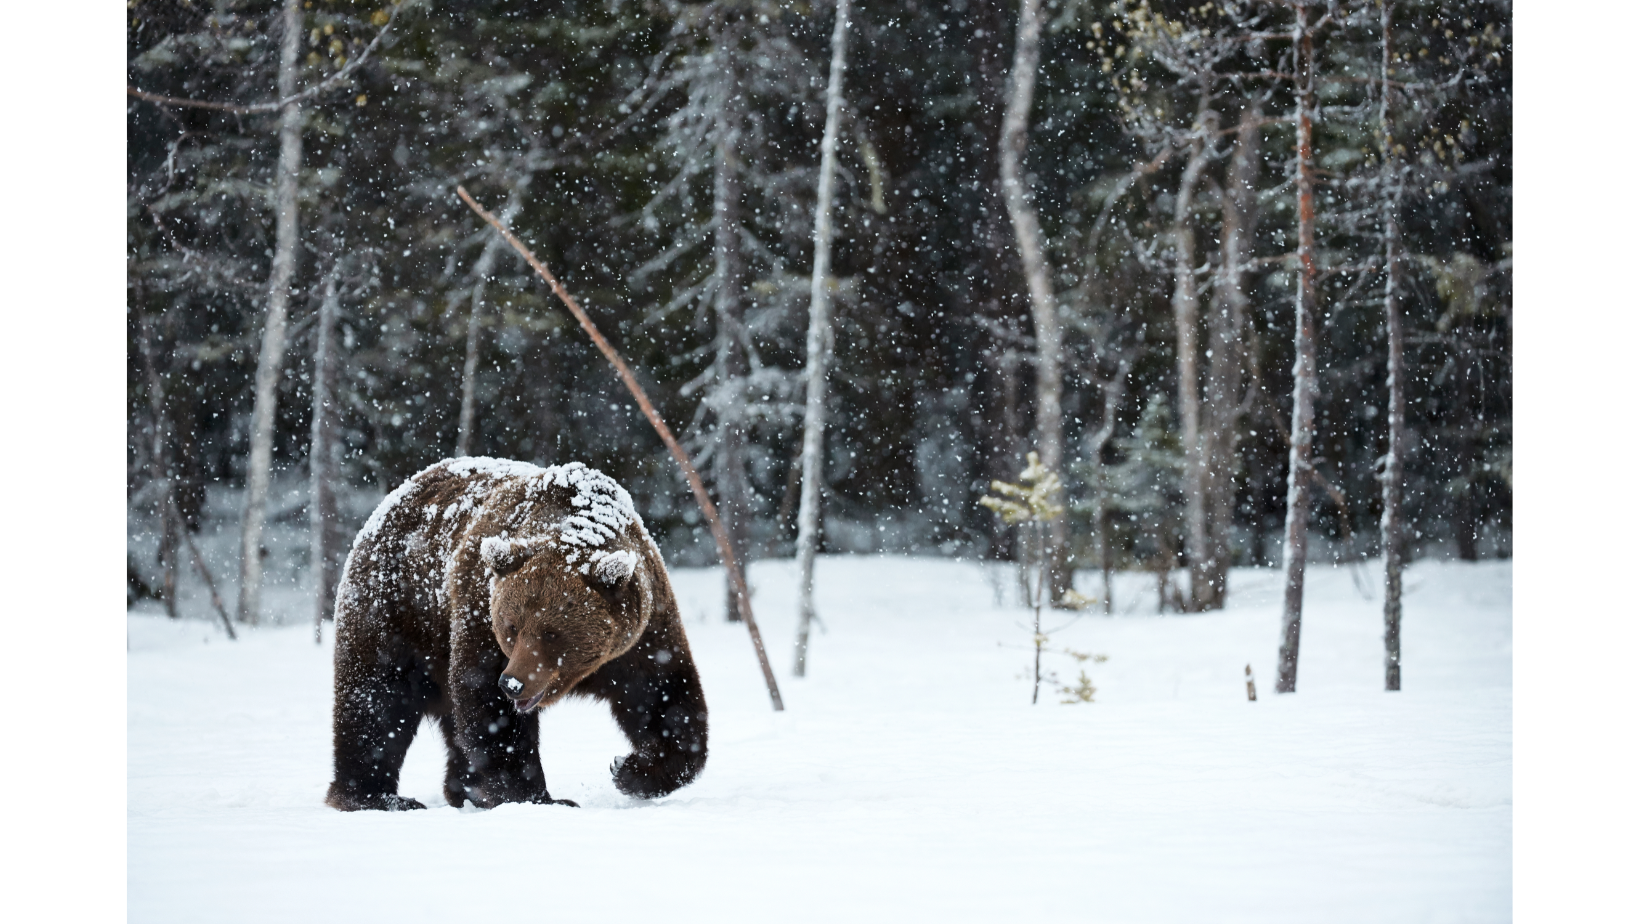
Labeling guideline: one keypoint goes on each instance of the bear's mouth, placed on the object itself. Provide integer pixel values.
(525, 706)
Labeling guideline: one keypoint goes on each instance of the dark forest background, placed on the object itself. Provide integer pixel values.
(605, 116)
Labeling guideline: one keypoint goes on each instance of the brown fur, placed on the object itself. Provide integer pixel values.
(429, 618)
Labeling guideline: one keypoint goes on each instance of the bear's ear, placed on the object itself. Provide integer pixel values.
(504, 556)
(613, 568)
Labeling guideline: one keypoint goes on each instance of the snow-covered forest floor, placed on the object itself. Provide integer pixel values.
(909, 778)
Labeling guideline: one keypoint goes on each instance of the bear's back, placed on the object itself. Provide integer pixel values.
(402, 557)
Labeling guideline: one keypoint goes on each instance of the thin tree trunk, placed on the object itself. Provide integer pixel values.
(170, 520)
(1304, 364)
(729, 461)
(1390, 523)
(1028, 236)
(1107, 558)
(1041, 568)
(170, 524)
(819, 346)
(271, 362)
(475, 307)
(322, 514)
(1394, 460)
(1226, 366)
(1186, 321)
(1113, 391)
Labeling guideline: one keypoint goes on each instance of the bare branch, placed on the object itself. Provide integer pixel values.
(743, 596)
(274, 106)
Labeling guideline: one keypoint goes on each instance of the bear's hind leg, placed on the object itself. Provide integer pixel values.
(458, 775)
(375, 719)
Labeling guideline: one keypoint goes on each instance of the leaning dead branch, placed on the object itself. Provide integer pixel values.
(743, 600)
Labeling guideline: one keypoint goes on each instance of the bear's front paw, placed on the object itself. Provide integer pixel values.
(545, 799)
(647, 777)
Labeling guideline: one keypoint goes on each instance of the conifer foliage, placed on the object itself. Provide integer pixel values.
(664, 157)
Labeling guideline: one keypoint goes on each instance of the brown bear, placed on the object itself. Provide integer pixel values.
(482, 590)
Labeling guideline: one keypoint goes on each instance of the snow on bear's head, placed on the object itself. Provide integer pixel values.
(561, 611)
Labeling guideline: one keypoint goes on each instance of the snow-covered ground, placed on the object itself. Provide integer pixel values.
(909, 778)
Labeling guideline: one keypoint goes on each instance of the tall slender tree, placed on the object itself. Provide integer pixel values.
(1176, 113)
(1392, 468)
(1187, 332)
(1050, 427)
(741, 79)
(1226, 397)
(259, 466)
(324, 528)
(819, 344)
(729, 305)
(1302, 436)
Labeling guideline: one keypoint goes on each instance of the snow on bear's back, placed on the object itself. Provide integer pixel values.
(599, 508)
(571, 504)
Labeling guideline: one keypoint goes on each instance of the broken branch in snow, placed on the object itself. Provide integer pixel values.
(743, 598)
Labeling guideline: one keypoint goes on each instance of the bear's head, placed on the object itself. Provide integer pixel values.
(560, 612)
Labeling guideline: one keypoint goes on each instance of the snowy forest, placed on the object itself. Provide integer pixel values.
(1020, 354)
(664, 157)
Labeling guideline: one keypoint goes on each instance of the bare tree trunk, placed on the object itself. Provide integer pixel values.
(323, 528)
(1113, 391)
(170, 519)
(1186, 320)
(819, 346)
(475, 307)
(1107, 558)
(171, 524)
(1028, 236)
(1226, 367)
(1394, 457)
(271, 361)
(1304, 363)
(729, 459)
(1040, 567)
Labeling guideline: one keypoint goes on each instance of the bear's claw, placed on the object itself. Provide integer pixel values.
(545, 799)
(373, 802)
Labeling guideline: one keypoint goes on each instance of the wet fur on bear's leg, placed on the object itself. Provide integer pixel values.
(376, 715)
(654, 694)
(500, 748)
(458, 774)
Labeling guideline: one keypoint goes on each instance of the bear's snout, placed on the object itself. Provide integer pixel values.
(511, 685)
